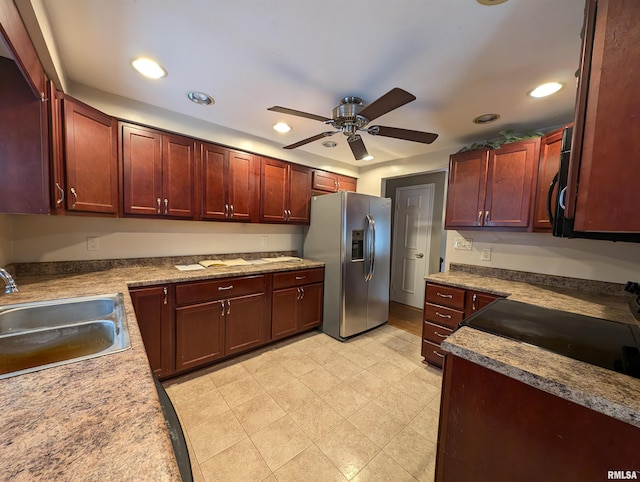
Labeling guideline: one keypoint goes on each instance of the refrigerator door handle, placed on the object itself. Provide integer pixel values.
(371, 247)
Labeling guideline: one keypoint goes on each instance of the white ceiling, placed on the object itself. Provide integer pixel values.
(458, 57)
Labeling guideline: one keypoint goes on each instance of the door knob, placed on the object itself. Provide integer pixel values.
(419, 255)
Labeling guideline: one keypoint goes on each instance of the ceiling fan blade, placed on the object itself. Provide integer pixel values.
(310, 139)
(284, 110)
(393, 99)
(405, 134)
(357, 147)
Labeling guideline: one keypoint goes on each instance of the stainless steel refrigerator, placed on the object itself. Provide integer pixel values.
(351, 234)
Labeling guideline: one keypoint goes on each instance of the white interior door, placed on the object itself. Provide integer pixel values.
(411, 242)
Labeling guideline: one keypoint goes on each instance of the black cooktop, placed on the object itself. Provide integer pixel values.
(607, 344)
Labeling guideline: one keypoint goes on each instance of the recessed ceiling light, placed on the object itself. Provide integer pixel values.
(282, 127)
(486, 118)
(329, 144)
(200, 98)
(368, 157)
(491, 2)
(546, 89)
(149, 68)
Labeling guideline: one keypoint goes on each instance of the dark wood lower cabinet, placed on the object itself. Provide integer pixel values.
(154, 311)
(199, 334)
(495, 428)
(189, 325)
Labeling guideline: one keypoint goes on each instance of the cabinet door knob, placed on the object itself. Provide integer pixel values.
(231, 206)
(61, 198)
(166, 206)
(479, 220)
(301, 293)
(159, 201)
(226, 210)
(222, 305)
(164, 290)
(228, 307)
(486, 217)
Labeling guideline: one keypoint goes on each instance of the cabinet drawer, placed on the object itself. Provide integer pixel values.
(200, 291)
(432, 353)
(297, 278)
(434, 333)
(445, 295)
(442, 315)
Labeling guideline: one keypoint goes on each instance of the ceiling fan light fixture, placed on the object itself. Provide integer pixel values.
(282, 127)
(545, 89)
(200, 98)
(149, 68)
(486, 118)
(368, 157)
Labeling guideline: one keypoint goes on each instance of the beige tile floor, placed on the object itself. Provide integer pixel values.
(314, 409)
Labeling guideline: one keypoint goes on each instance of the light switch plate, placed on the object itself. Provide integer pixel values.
(462, 243)
(485, 255)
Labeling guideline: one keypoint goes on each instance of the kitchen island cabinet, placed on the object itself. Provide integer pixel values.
(492, 188)
(158, 173)
(512, 411)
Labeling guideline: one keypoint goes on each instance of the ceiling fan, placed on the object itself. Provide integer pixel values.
(350, 117)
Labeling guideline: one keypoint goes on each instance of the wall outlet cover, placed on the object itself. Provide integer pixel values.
(485, 255)
(92, 243)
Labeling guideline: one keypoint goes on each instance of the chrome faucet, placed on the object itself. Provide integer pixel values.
(9, 283)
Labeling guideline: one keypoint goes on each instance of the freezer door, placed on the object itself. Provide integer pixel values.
(378, 285)
(355, 286)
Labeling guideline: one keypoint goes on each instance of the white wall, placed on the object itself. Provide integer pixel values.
(64, 238)
(543, 253)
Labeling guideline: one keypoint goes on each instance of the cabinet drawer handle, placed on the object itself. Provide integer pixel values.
(159, 201)
(225, 288)
(164, 290)
(75, 198)
(444, 296)
(435, 352)
(61, 198)
(440, 335)
(443, 316)
(300, 277)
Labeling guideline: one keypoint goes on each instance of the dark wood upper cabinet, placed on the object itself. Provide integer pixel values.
(324, 181)
(24, 152)
(492, 188)
(548, 165)
(230, 184)
(285, 192)
(90, 159)
(603, 170)
(158, 175)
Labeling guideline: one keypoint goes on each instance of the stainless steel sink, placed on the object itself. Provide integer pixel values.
(39, 335)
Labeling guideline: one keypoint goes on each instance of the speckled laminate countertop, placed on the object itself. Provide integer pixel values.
(97, 419)
(602, 390)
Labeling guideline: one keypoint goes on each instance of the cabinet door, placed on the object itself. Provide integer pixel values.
(300, 194)
(215, 162)
(284, 313)
(274, 180)
(476, 300)
(548, 165)
(347, 183)
(58, 189)
(509, 184)
(243, 187)
(90, 159)
(466, 190)
(325, 181)
(199, 334)
(154, 314)
(310, 311)
(603, 172)
(245, 324)
(178, 176)
(142, 170)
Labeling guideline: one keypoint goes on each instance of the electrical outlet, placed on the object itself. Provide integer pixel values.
(485, 255)
(264, 241)
(92, 244)
(462, 243)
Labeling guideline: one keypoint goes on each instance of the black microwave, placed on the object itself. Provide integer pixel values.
(563, 226)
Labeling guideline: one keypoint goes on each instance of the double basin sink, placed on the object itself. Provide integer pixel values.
(39, 335)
